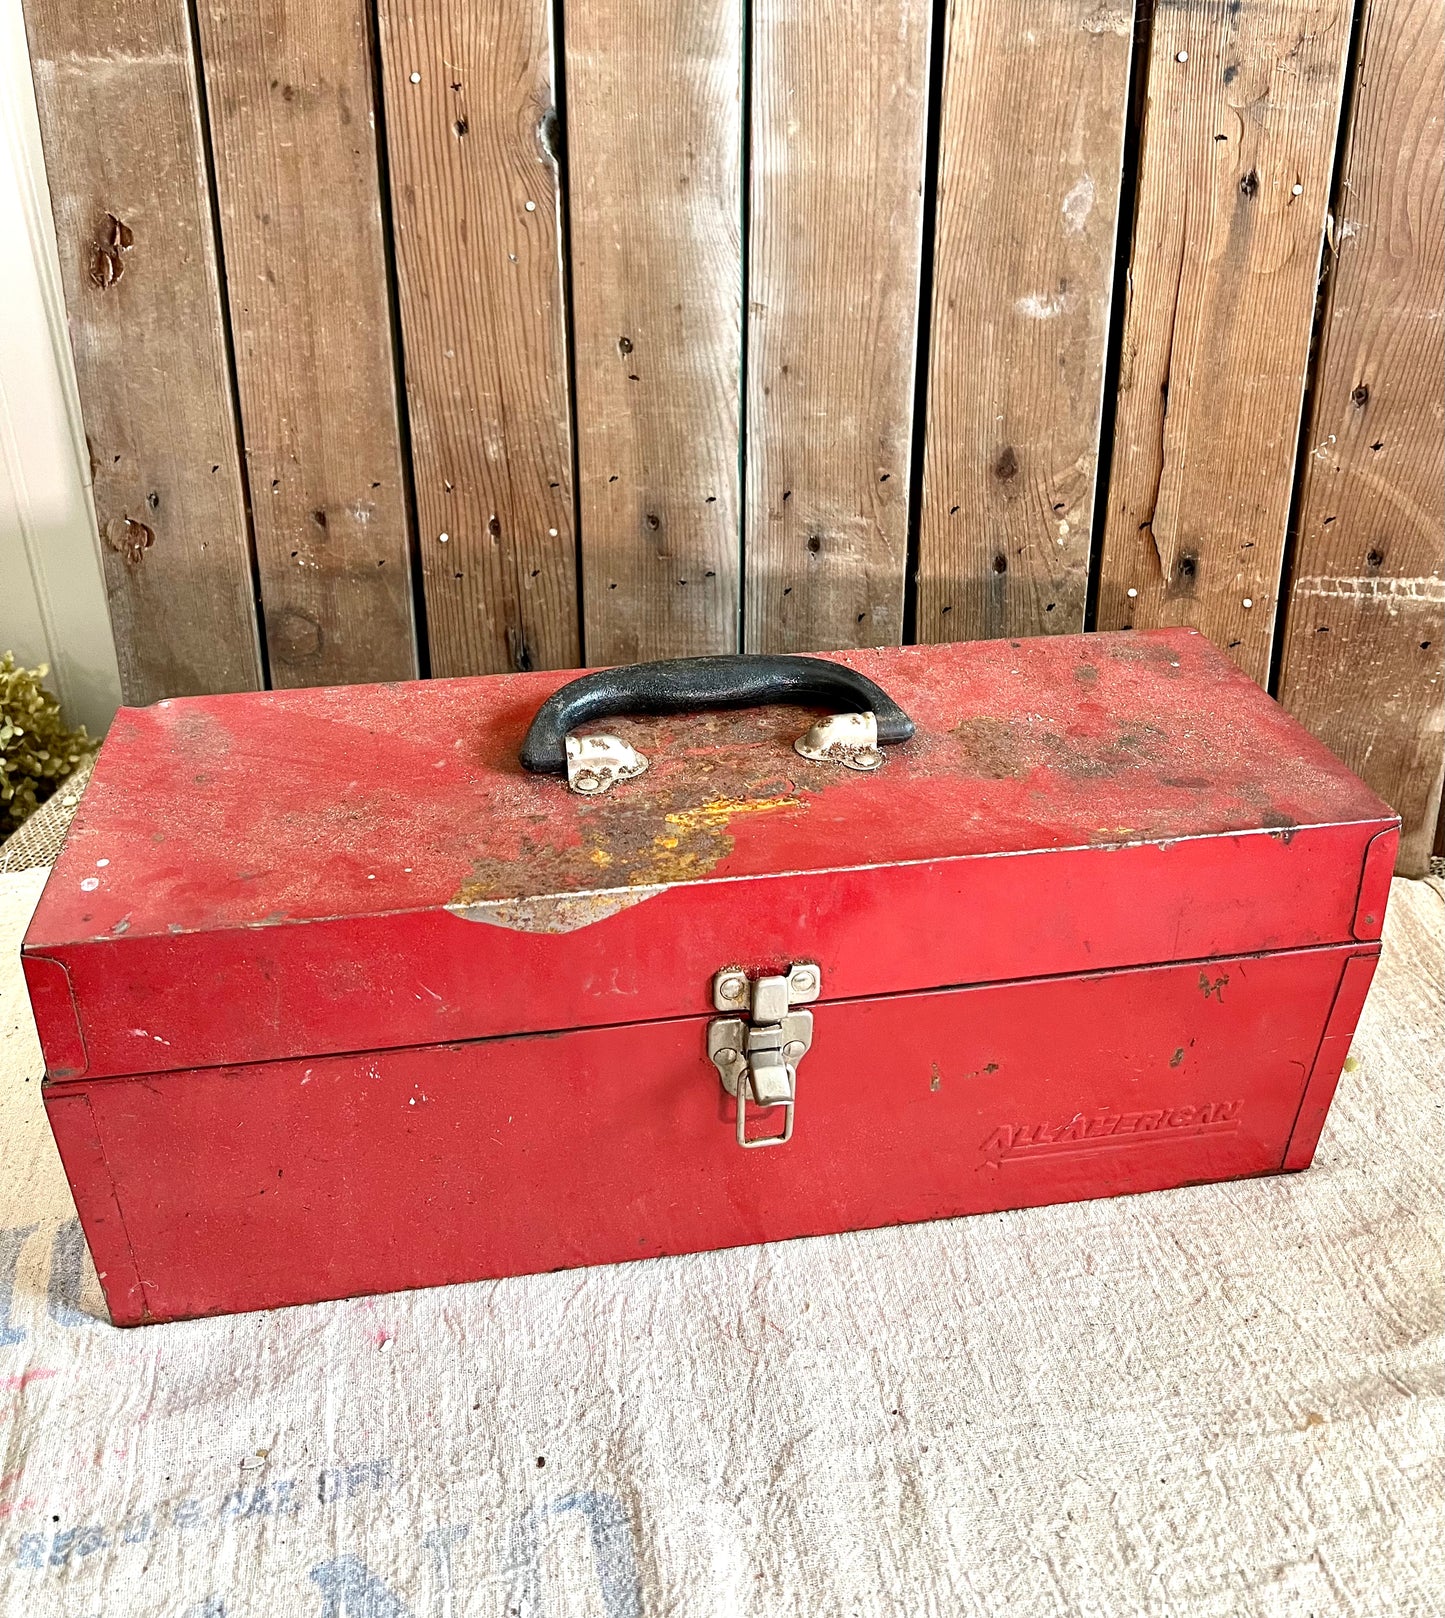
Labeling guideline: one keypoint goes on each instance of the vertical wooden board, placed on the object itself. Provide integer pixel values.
(53, 606)
(1031, 140)
(292, 122)
(1236, 155)
(472, 133)
(653, 156)
(836, 190)
(116, 89)
(1365, 630)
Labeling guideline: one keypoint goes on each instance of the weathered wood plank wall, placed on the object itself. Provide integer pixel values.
(836, 183)
(1366, 617)
(602, 331)
(1234, 179)
(654, 151)
(289, 88)
(125, 148)
(1032, 133)
(473, 135)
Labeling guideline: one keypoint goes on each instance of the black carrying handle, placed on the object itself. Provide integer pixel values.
(683, 684)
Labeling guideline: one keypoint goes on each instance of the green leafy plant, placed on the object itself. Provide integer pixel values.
(37, 748)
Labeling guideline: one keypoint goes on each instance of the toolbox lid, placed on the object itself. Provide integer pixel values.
(290, 873)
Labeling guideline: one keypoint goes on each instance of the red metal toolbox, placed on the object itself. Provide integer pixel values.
(336, 997)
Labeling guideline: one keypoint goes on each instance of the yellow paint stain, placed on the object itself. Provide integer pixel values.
(600, 856)
(710, 816)
(698, 839)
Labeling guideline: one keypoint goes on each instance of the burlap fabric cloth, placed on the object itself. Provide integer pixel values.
(1221, 1401)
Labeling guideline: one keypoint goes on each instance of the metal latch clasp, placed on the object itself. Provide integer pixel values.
(757, 1054)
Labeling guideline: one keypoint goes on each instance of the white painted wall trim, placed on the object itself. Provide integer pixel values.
(52, 588)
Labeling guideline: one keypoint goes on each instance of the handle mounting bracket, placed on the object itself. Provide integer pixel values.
(595, 763)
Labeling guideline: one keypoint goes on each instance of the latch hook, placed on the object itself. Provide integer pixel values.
(757, 1056)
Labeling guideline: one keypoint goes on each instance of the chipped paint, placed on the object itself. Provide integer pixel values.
(554, 912)
(1044, 305)
(1107, 20)
(1281, 827)
(1428, 590)
(1079, 203)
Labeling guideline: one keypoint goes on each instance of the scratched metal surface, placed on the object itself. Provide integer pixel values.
(208, 812)
(1219, 1402)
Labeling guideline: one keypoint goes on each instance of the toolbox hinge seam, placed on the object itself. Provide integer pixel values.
(1355, 945)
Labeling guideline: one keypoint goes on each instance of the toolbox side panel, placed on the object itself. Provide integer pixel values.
(425, 977)
(254, 1186)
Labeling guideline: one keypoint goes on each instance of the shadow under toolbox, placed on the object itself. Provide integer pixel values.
(336, 997)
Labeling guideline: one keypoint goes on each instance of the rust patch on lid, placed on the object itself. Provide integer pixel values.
(1281, 827)
(629, 847)
(1004, 749)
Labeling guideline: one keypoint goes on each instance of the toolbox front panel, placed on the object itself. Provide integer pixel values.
(248, 1187)
(428, 977)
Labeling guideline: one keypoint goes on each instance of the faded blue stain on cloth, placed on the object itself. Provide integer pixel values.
(613, 1552)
